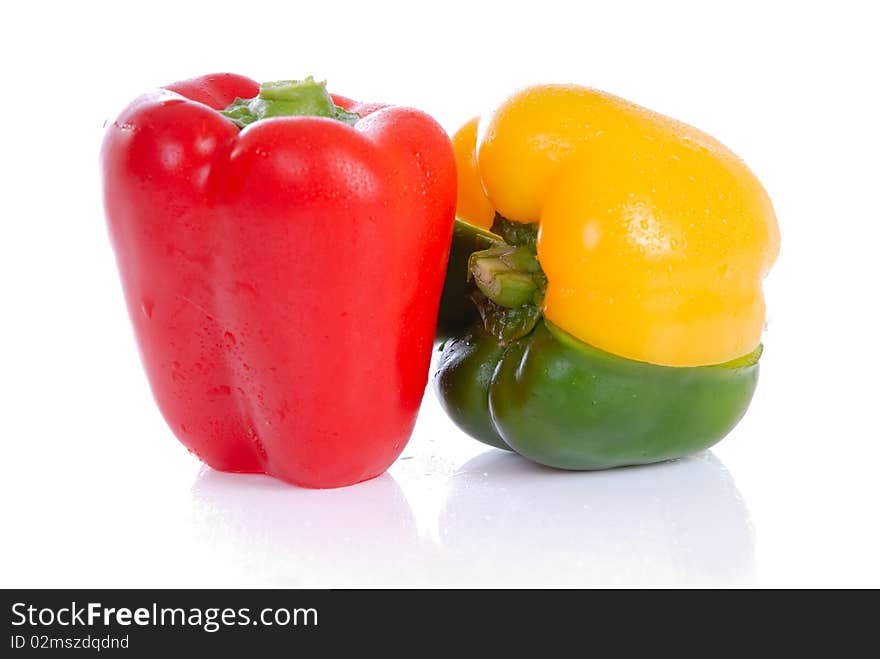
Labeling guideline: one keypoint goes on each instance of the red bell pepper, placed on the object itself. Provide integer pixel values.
(283, 280)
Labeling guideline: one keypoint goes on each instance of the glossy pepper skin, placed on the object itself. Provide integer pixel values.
(457, 310)
(282, 279)
(620, 305)
(560, 402)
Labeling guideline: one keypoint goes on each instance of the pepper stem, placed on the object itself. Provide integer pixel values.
(288, 98)
(510, 276)
(510, 283)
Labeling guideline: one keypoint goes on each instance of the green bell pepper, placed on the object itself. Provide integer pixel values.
(457, 311)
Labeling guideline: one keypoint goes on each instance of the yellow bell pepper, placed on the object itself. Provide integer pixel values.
(654, 237)
(472, 204)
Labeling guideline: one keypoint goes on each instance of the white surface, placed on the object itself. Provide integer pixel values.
(97, 492)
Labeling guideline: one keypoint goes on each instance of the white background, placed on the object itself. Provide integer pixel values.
(97, 492)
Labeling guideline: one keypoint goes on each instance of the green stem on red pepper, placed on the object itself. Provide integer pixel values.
(286, 98)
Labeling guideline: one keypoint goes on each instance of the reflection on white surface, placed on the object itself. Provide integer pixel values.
(503, 522)
(510, 522)
(269, 532)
